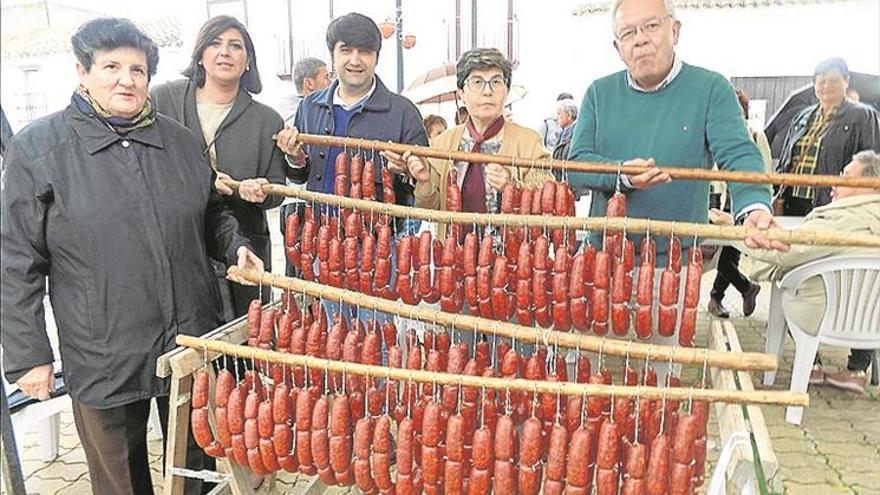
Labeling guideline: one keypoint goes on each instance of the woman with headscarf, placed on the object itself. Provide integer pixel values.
(116, 206)
(483, 78)
(235, 132)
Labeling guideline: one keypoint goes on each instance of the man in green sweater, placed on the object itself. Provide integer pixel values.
(661, 110)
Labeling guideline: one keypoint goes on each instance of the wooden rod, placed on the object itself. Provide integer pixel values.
(749, 361)
(565, 388)
(635, 225)
(681, 173)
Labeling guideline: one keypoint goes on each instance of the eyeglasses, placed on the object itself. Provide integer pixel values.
(651, 26)
(478, 84)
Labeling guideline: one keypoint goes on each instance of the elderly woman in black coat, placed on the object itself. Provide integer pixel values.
(116, 206)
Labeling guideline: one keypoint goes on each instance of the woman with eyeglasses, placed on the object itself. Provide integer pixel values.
(483, 76)
(236, 133)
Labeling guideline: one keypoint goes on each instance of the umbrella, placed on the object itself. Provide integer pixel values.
(867, 85)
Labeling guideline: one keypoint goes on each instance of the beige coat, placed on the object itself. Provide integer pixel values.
(516, 140)
(854, 214)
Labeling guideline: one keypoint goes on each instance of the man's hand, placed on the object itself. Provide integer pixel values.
(39, 382)
(222, 188)
(497, 176)
(763, 220)
(649, 178)
(286, 141)
(246, 260)
(251, 190)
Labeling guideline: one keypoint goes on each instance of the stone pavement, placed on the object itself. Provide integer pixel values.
(835, 451)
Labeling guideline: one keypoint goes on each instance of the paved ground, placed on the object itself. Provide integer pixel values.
(835, 451)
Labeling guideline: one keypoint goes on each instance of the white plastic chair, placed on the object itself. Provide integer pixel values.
(851, 320)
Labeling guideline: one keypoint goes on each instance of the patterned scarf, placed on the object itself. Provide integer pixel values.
(89, 106)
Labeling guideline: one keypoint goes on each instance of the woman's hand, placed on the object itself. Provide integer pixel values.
(39, 382)
(251, 190)
(287, 141)
(497, 176)
(220, 186)
(396, 163)
(246, 260)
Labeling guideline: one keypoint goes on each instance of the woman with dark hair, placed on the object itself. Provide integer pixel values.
(116, 206)
(483, 78)
(823, 137)
(235, 132)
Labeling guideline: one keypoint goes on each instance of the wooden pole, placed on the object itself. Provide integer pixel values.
(635, 225)
(680, 173)
(564, 388)
(750, 361)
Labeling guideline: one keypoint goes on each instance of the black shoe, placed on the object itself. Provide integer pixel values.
(718, 309)
(750, 298)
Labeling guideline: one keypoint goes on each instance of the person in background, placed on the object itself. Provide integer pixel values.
(728, 261)
(853, 95)
(5, 132)
(852, 210)
(116, 206)
(309, 75)
(823, 137)
(550, 129)
(214, 102)
(5, 135)
(483, 79)
(566, 116)
(434, 126)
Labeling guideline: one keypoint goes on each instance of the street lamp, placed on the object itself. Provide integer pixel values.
(404, 41)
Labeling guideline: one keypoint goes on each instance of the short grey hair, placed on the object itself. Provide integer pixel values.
(482, 59)
(669, 4)
(871, 161)
(570, 107)
(307, 67)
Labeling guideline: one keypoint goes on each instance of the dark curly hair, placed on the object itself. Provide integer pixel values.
(110, 33)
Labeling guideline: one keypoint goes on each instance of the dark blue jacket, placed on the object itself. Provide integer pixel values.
(385, 116)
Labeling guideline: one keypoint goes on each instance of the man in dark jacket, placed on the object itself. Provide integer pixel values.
(356, 105)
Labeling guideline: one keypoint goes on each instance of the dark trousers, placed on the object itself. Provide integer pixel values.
(115, 444)
(859, 359)
(728, 273)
